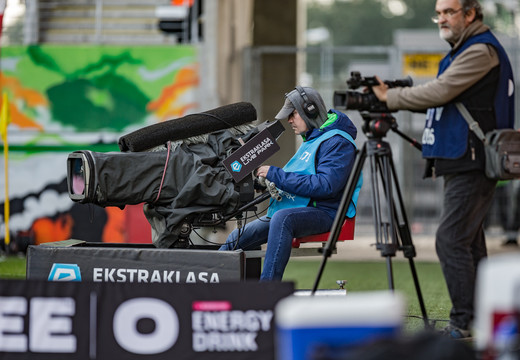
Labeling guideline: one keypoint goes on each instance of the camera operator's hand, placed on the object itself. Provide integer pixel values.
(262, 171)
(380, 90)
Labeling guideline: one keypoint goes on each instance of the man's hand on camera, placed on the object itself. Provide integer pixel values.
(262, 171)
(380, 90)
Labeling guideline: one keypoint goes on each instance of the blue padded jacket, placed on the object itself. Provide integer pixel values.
(334, 162)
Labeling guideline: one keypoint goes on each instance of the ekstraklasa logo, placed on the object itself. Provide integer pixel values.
(65, 272)
(236, 166)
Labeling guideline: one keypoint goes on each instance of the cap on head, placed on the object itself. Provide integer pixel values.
(308, 103)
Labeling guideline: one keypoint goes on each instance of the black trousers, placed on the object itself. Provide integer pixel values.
(460, 239)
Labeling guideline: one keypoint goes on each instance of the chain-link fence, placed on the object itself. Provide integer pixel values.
(327, 69)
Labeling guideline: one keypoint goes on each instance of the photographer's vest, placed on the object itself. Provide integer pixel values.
(446, 132)
(304, 162)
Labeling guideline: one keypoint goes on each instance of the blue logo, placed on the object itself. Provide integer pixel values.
(65, 272)
(236, 166)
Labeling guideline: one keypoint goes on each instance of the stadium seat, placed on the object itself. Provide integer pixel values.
(346, 233)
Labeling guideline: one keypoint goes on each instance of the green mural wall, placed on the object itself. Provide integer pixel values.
(66, 98)
(78, 89)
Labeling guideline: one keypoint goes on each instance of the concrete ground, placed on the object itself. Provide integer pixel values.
(363, 247)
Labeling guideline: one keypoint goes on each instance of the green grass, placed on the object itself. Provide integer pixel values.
(12, 267)
(372, 275)
(360, 276)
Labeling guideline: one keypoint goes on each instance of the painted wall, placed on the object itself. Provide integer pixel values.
(67, 98)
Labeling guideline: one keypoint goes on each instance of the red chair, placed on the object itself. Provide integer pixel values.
(346, 233)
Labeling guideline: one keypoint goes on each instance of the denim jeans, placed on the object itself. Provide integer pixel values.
(278, 233)
(460, 241)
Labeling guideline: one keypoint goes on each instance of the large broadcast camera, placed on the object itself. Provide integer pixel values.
(189, 172)
(375, 113)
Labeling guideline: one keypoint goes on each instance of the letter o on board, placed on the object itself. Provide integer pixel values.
(160, 312)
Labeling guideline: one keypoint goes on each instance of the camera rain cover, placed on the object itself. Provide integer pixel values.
(188, 178)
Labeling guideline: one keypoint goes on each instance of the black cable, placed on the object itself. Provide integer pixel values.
(204, 239)
(240, 231)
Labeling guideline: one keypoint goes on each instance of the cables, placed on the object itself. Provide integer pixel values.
(270, 187)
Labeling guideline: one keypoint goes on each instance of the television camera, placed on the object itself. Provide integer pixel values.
(367, 100)
(184, 183)
(376, 115)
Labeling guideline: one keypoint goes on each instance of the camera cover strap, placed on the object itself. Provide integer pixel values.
(164, 171)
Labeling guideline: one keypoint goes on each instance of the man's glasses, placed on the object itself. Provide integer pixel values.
(447, 14)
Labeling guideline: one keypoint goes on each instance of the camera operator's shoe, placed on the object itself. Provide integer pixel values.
(454, 332)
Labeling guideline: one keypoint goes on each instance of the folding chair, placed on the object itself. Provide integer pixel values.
(346, 233)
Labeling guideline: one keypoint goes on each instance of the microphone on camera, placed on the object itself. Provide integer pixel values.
(220, 118)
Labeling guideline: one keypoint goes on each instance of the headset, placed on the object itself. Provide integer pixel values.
(309, 107)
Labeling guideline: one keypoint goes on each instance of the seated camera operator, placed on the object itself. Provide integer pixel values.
(311, 184)
(476, 72)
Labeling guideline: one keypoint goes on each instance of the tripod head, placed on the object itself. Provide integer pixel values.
(376, 125)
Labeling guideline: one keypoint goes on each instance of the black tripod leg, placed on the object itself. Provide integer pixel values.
(342, 210)
(381, 161)
(386, 235)
(396, 232)
(406, 242)
(389, 248)
(419, 294)
(390, 273)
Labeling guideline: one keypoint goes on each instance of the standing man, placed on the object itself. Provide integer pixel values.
(311, 184)
(476, 72)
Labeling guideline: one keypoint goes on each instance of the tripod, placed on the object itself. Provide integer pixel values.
(392, 231)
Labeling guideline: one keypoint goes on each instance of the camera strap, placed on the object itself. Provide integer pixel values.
(473, 125)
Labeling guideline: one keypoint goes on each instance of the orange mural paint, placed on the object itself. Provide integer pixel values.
(47, 230)
(114, 230)
(164, 107)
(31, 98)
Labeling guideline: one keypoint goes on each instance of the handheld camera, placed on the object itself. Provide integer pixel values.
(365, 101)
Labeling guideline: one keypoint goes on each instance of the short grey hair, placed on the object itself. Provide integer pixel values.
(467, 5)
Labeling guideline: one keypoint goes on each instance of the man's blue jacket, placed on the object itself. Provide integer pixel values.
(334, 162)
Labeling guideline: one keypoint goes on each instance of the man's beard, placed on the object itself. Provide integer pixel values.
(446, 34)
(451, 34)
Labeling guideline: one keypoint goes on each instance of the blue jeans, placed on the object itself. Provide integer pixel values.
(460, 240)
(278, 233)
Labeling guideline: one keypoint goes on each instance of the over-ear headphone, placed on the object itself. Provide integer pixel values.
(309, 107)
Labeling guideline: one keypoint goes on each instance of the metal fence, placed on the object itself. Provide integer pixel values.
(327, 69)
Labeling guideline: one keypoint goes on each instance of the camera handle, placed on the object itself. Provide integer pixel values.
(376, 125)
(393, 231)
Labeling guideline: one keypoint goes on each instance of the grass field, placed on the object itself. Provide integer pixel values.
(12, 267)
(369, 276)
(360, 276)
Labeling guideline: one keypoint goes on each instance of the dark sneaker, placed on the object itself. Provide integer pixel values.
(454, 332)
(510, 242)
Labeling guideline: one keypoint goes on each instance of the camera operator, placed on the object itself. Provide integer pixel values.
(311, 184)
(476, 72)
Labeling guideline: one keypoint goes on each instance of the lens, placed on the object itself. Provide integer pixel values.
(355, 101)
(364, 102)
(78, 177)
(339, 99)
(408, 81)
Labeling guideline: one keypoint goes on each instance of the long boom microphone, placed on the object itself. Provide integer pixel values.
(220, 118)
